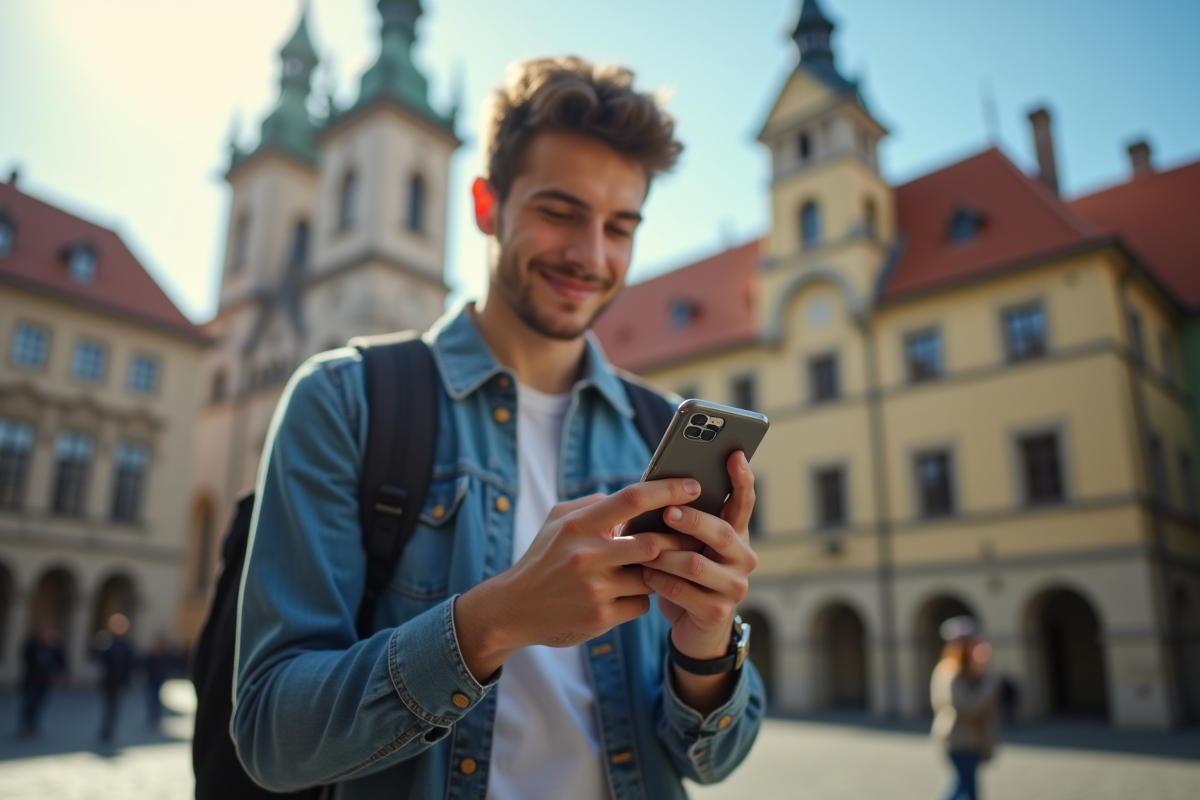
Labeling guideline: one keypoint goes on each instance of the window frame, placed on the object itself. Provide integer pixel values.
(416, 210)
(82, 481)
(83, 263)
(7, 224)
(240, 249)
(747, 377)
(816, 495)
(1062, 449)
(21, 463)
(1005, 345)
(126, 502)
(105, 350)
(1186, 466)
(347, 200)
(916, 454)
(1135, 335)
(1158, 476)
(46, 340)
(133, 364)
(906, 342)
(810, 364)
(814, 242)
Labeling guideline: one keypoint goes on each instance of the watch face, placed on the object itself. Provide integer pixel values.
(743, 643)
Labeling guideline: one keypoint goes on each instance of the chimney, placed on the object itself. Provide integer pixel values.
(1043, 143)
(1139, 159)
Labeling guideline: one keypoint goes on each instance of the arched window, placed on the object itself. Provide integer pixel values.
(416, 204)
(804, 147)
(348, 212)
(241, 243)
(870, 218)
(299, 254)
(810, 224)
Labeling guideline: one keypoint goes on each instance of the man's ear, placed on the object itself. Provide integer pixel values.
(485, 206)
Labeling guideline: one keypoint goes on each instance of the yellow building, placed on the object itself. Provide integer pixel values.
(98, 388)
(976, 408)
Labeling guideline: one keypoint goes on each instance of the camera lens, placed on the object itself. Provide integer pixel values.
(699, 419)
(692, 432)
(707, 435)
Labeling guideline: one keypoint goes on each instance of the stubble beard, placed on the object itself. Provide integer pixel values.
(518, 294)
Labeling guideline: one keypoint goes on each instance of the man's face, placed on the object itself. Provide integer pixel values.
(565, 233)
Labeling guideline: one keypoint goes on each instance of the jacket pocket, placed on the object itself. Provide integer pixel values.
(423, 571)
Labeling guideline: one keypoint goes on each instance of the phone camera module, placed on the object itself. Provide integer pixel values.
(708, 435)
(694, 432)
(699, 419)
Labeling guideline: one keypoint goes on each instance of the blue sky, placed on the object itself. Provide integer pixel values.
(120, 110)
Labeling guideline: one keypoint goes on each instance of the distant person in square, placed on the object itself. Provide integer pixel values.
(42, 660)
(114, 651)
(522, 650)
(964, 696)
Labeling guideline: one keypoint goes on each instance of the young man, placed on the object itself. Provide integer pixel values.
(517, 653)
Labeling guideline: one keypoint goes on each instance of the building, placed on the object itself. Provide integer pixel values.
(977, 405)
(337, 227)
(98, 388)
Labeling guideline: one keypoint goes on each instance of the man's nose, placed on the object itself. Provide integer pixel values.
(586, 248)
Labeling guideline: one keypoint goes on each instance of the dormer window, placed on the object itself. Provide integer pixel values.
(8, 233)
(81, 264)
(683, 311)
(965, 224)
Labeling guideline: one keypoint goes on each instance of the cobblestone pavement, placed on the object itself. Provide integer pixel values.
(822, 760)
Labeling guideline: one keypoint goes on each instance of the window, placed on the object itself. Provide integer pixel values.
(1167, 353)
(870, 219)
(1158, 470)
(8, 234)
(217, 392)
(1137, 346)
(683, 311)
(416, 204)
(89, 362)
(810, 224)
(348, 209)
(1187, 481)
(831, 499)
(29, 345)
(965, 224)
(923, 352)
(823, 379)
(73, 453)
(143, 375)
(299, 254)
(1042, 472)
(130, 467)
(804, 147)
(1025, 332)
(935, 493)
(16, 442)
(241, 243)
(744, 394)
(81, 264)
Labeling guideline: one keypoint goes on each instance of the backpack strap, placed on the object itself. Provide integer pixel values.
(651, 411)
(402, 400)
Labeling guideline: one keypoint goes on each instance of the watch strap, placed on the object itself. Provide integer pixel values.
(695, 666)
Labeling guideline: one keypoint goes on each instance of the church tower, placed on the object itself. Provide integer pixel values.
(831, 211)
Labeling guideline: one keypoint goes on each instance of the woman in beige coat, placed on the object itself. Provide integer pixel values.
(964, 702)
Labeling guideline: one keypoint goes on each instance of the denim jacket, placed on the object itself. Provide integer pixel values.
(398, 714)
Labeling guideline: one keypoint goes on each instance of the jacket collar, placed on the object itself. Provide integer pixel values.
(466, 363)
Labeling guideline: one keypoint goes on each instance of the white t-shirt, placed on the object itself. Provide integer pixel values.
(546, 741)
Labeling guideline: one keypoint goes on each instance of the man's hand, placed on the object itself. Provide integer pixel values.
(573, 583)
(698, 592)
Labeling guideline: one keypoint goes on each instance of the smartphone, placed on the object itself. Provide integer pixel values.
(698, 443)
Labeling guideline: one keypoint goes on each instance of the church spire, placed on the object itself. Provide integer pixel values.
(289, 126)
(394, 74)
(812, 34)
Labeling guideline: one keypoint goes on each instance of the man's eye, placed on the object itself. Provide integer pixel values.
(556, 215)
(620, 233)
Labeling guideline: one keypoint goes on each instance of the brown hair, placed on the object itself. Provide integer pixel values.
(570, 94)
(955, 653)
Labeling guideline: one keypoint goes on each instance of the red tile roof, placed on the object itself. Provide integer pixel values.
(122, 287)
(639, 331)
(1021, 220)
(1158, 217)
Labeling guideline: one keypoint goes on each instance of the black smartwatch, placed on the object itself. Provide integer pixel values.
(739, 645)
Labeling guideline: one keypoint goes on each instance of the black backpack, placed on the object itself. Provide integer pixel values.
(392, 493)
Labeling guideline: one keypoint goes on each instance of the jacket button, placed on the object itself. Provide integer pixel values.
(724, 721)
(501, 415)
(467, 766)
(502, 504)
(439, 512)
(462, 701)
(503, 382)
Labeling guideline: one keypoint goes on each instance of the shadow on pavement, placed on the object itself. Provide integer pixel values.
(71, 723)
(1069, 733)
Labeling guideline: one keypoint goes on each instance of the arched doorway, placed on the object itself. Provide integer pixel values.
(1067, 642)
(842, 655)
(761, 649)
(116, 596)
(928, 640)
(6, 594)
(52, 601)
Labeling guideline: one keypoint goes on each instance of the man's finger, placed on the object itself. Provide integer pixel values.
(560, 510)
(740, 504)
(643, 547)
(633, 500)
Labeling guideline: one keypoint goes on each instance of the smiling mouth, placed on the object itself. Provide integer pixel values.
(569, 288)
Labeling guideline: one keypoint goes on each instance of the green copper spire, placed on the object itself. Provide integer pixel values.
(394, 73)
(289, 125)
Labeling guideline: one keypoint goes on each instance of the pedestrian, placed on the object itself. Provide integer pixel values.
(157, 665)
(1010, 699)
(115, 654)
(964, 698)
(518, 652)
(42, 660)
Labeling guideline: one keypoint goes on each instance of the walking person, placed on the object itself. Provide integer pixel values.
(42, 660)
(964, 696)
(517, 651)
(157, 666)
(115, 654)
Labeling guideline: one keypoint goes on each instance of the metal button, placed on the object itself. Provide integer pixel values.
(468, 766)
(501, 415)
(502, 504)
(724, 721)
(462, 701)
(503, 382)
(622, 757)
(602, 649)
(439, 512)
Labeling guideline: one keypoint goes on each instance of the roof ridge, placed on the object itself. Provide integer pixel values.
(1052, 201)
